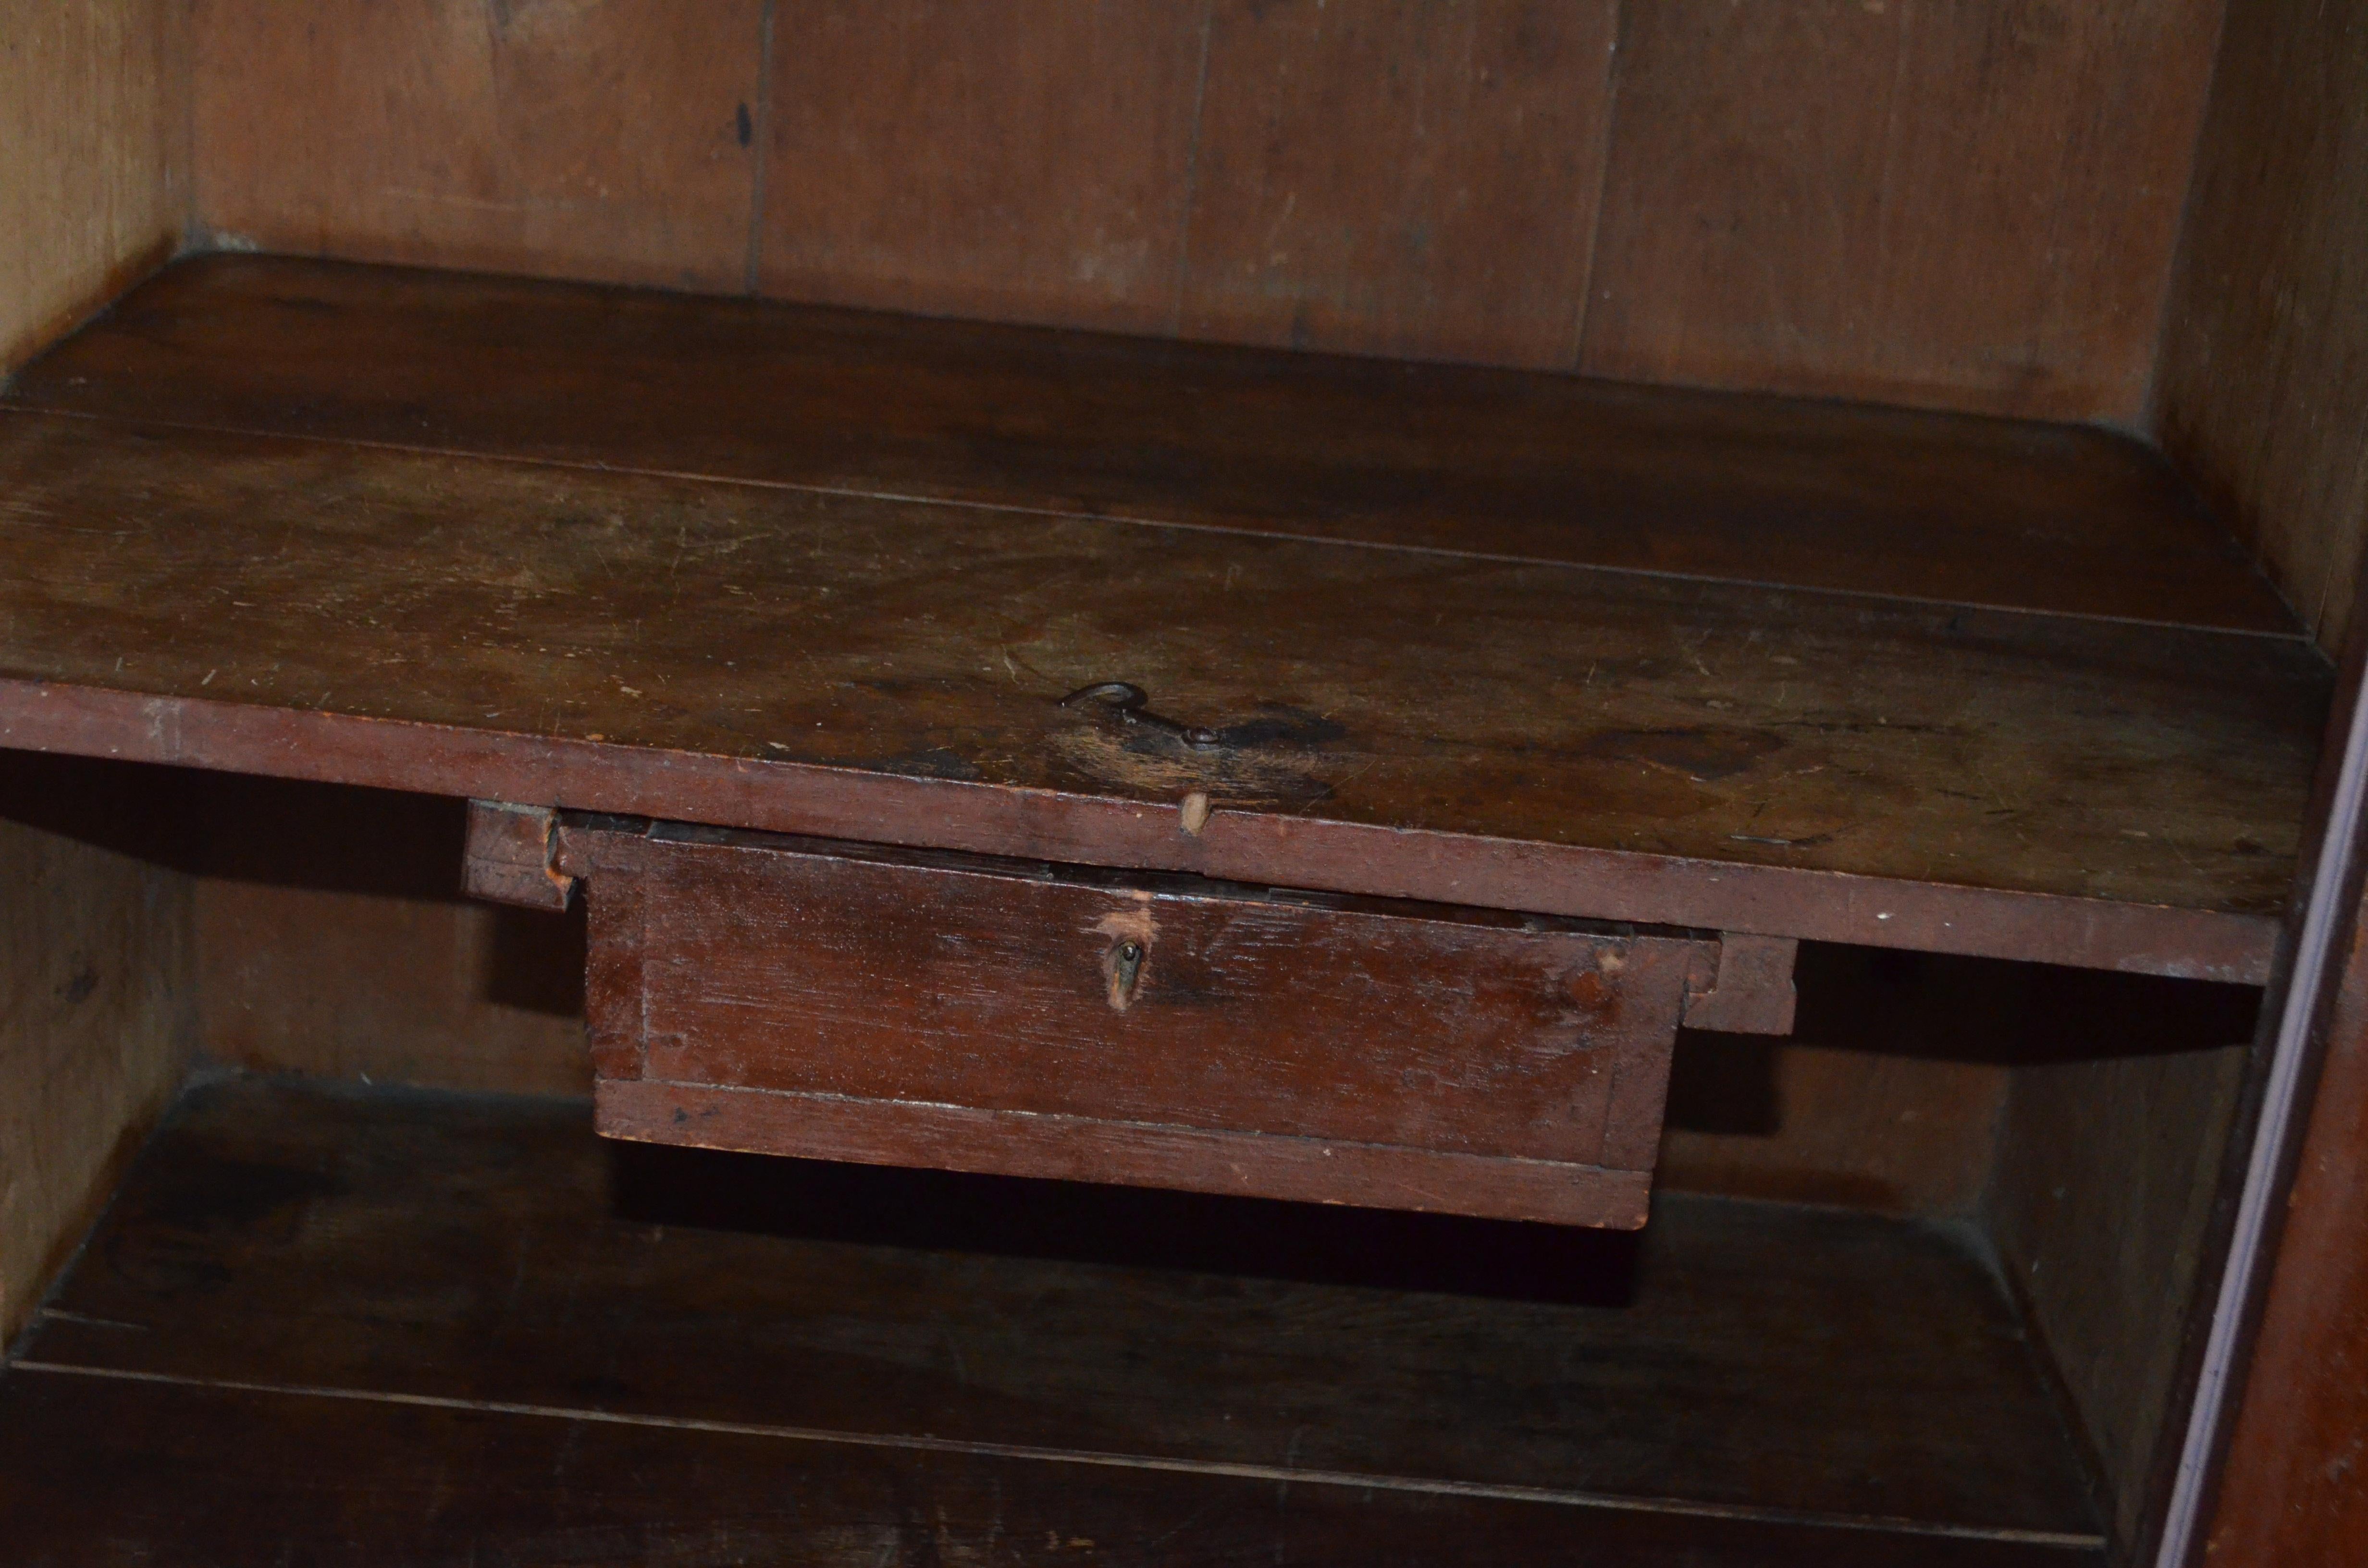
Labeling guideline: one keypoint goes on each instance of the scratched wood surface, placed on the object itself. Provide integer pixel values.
(491, 1251)
(877, 640)
(1556, 467)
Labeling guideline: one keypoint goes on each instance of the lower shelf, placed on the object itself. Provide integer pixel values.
(376, 1326)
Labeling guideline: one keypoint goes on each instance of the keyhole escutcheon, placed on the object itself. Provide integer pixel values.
(1125, 971)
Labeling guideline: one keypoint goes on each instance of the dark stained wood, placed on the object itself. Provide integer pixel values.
(1750, 991)
(1400, 178)
(1492, 463)
(999, 1016)
(107, 1472)
(2264, 382)
(596, 140)
(2101, 1205)
(2067, 1106)
(1020, 160)
(96, 999)
(489, 1251)
(2290, 1490)
(1801, 1122)
(1959, 203)
(1058, 1146)
(1395, 723)
(2264, 391)
(508, 857)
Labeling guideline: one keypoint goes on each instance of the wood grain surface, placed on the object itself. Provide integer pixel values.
(1022, 160)
(492, 1252)
(333, 940)
(95, 189)
(97, 999)
(1964, 203)
(1400, 178)
(188, 1476)
(2102, 1205)
(95, 996)
(1552, 467)
(2290, 1490)
(1238, 1041)
(2264, 392)
(1399, 722)
(597, 140)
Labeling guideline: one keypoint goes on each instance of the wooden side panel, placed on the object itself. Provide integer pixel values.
(1400, 178)
(95, 996)
(97, 1001)
(93, 158)
(611, 140)
(1022, 161)
(2264, 382)
(1964, 203)
(2103, 1191)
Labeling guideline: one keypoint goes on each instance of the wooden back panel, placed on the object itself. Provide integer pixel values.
(1967, 206)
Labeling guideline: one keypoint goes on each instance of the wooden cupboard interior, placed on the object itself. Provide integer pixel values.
(2003, 355)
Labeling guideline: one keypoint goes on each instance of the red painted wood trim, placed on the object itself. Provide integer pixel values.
(1268, 848)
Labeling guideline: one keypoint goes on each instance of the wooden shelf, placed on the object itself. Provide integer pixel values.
(313, 1316)
(1486, 638)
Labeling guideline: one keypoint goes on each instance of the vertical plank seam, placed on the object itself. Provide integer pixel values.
(642, 876)
(760, 140)
(1191, 176)
(2152, 410)
(1881, 302)
(1606, 143)
(183, 70)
